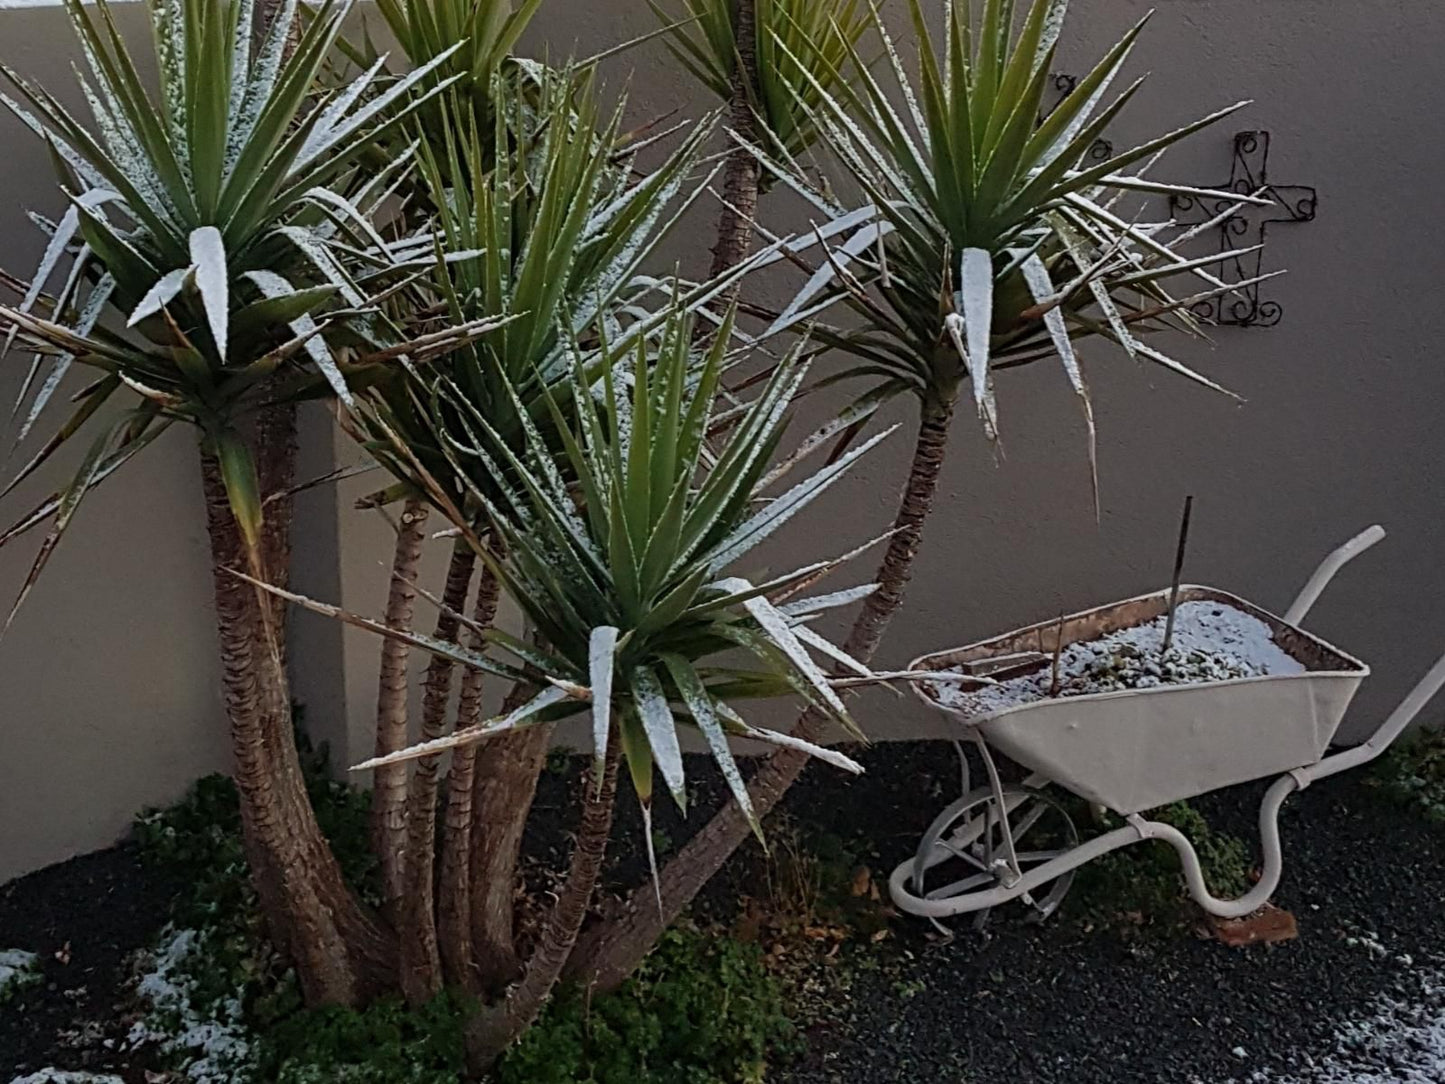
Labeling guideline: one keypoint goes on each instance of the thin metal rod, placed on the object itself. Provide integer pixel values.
(1058, 656)
(1178, 570)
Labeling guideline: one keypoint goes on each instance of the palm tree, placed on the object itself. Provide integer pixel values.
(210, 218)
(986, 240)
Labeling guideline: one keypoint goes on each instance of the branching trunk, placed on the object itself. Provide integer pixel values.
(454, 891)
(421, 976)
(742, 174)
(341, 955)
(614, 947)
(508, 767)
(389, 784)
(497, 1028)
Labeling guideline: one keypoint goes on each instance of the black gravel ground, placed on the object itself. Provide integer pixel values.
(83, 918)
(1055, 1003)
(1052, 1003)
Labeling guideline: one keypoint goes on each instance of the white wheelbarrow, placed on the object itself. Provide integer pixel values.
(1129, 751)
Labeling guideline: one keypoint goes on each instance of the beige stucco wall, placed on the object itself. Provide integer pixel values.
(107, 686)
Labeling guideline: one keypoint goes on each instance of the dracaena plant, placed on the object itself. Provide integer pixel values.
(224, 224)
(545, 220)
(202, 216)
(803, 48)
(475, 36)
(766, 59)
(616, 525)
(622, 530)
(547, 242)
(466, 44)
(985, 238)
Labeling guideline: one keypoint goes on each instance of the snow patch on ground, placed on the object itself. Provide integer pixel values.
(66, 1076)
(1212, 642)
(211, 1042)
(17, 968)
(1400, 1040)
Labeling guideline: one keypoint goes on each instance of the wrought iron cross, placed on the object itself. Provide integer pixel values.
(1246, 227)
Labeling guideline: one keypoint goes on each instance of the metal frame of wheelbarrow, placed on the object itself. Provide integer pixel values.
(986, 828)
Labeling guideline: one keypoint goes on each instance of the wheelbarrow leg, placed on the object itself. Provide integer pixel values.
(1327, 571)
(1421, 695)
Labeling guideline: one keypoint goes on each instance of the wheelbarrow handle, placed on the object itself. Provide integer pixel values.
(1327, 571)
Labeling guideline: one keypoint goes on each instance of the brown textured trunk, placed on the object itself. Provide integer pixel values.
(421, 976)
(508, 767)
(497, 1028)
(614, 947)
(388, 787)
(454, 887)
(340, 953)
(742, 175)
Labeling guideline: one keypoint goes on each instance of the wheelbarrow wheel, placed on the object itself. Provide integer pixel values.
(967, 849)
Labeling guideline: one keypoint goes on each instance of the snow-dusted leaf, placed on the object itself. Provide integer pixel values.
(160, 295)
(60, 238)
(775, 626)
(321, 258)
(208, 257)
(804, 607)
(777, 512)
(601, 650)
(273, 285)
(859, 243)
(90, 314)
(701, 707)
(498, 724)
(825, 646)
(661, 730)
(976, 304)
(1041, 287)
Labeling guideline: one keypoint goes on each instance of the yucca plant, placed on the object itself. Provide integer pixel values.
(207, 217)
(621, 532)
(766, 59)
(985, 239)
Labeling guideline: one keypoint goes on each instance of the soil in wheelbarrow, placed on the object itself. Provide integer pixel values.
(1111, 991)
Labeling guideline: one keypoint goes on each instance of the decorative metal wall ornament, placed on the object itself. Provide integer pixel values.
(1291, 203)
(1065, 84)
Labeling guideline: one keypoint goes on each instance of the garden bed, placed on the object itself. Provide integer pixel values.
(1112, 990)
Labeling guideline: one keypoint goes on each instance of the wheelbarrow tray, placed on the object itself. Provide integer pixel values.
(1137, 749)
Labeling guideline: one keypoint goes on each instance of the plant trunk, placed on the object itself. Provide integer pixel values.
(614, 947)
(389, 784)
(340, 953)
(421, 977)
(454, 891)
(743, 174)
(507, 771)
(497, 1028)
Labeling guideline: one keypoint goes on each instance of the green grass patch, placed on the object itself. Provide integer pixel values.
(702, 1010)
(1412, 774)
(1143, 885)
